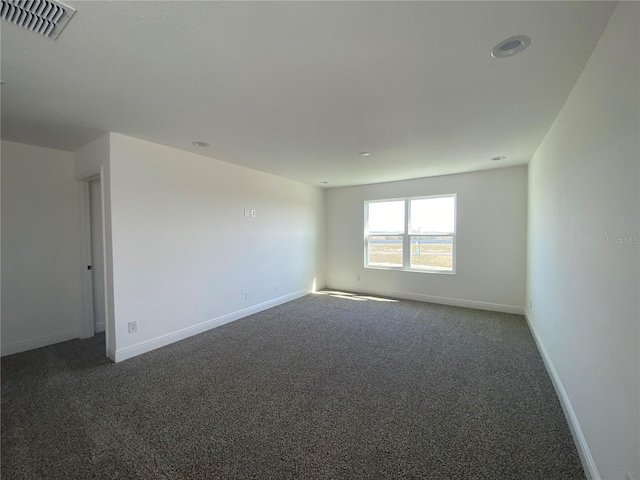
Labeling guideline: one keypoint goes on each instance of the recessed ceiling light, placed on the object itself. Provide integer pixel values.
(510, 46)
(200, 144)
(364, 154)
(498, 158)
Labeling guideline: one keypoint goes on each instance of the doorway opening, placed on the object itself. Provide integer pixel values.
(93, 259)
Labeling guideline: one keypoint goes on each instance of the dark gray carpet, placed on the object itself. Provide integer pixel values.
(321, 387)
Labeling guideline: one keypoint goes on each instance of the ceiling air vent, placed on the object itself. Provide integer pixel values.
(46, 17)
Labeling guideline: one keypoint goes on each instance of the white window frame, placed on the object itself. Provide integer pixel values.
(406, 236)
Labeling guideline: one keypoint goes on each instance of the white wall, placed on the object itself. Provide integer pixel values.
(584, 189)
(40, 282)
(491, 236)
(184, 254)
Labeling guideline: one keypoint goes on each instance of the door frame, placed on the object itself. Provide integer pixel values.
(87, 320)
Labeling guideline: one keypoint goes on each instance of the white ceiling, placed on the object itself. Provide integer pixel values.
(298, 89)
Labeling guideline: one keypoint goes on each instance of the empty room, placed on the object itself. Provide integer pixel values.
(320, 240)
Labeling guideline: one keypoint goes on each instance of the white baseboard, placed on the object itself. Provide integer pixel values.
(111, 354)
(456, 302)
(149, 345)
(588, 464)
(99, 327)
(38, 342)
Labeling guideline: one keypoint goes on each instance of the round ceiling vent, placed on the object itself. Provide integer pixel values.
(510, 46)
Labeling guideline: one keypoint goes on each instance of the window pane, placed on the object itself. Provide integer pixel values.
(432, 253)
(386, 217)
(385, 250)
(433, 215)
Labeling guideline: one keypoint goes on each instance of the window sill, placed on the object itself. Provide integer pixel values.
(411, 270)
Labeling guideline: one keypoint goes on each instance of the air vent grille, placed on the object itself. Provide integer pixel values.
(46, 17)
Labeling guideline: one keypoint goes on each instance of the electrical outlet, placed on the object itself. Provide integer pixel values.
(246, 212)
(277, 286)
(133, 327)
(246, 295)
(358, 277)
(253, 213)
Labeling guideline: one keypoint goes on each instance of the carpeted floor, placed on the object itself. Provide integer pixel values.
(324, 387)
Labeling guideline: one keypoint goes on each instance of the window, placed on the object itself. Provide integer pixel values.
(416, 234)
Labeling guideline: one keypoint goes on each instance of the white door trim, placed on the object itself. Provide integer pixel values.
(87, 325)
